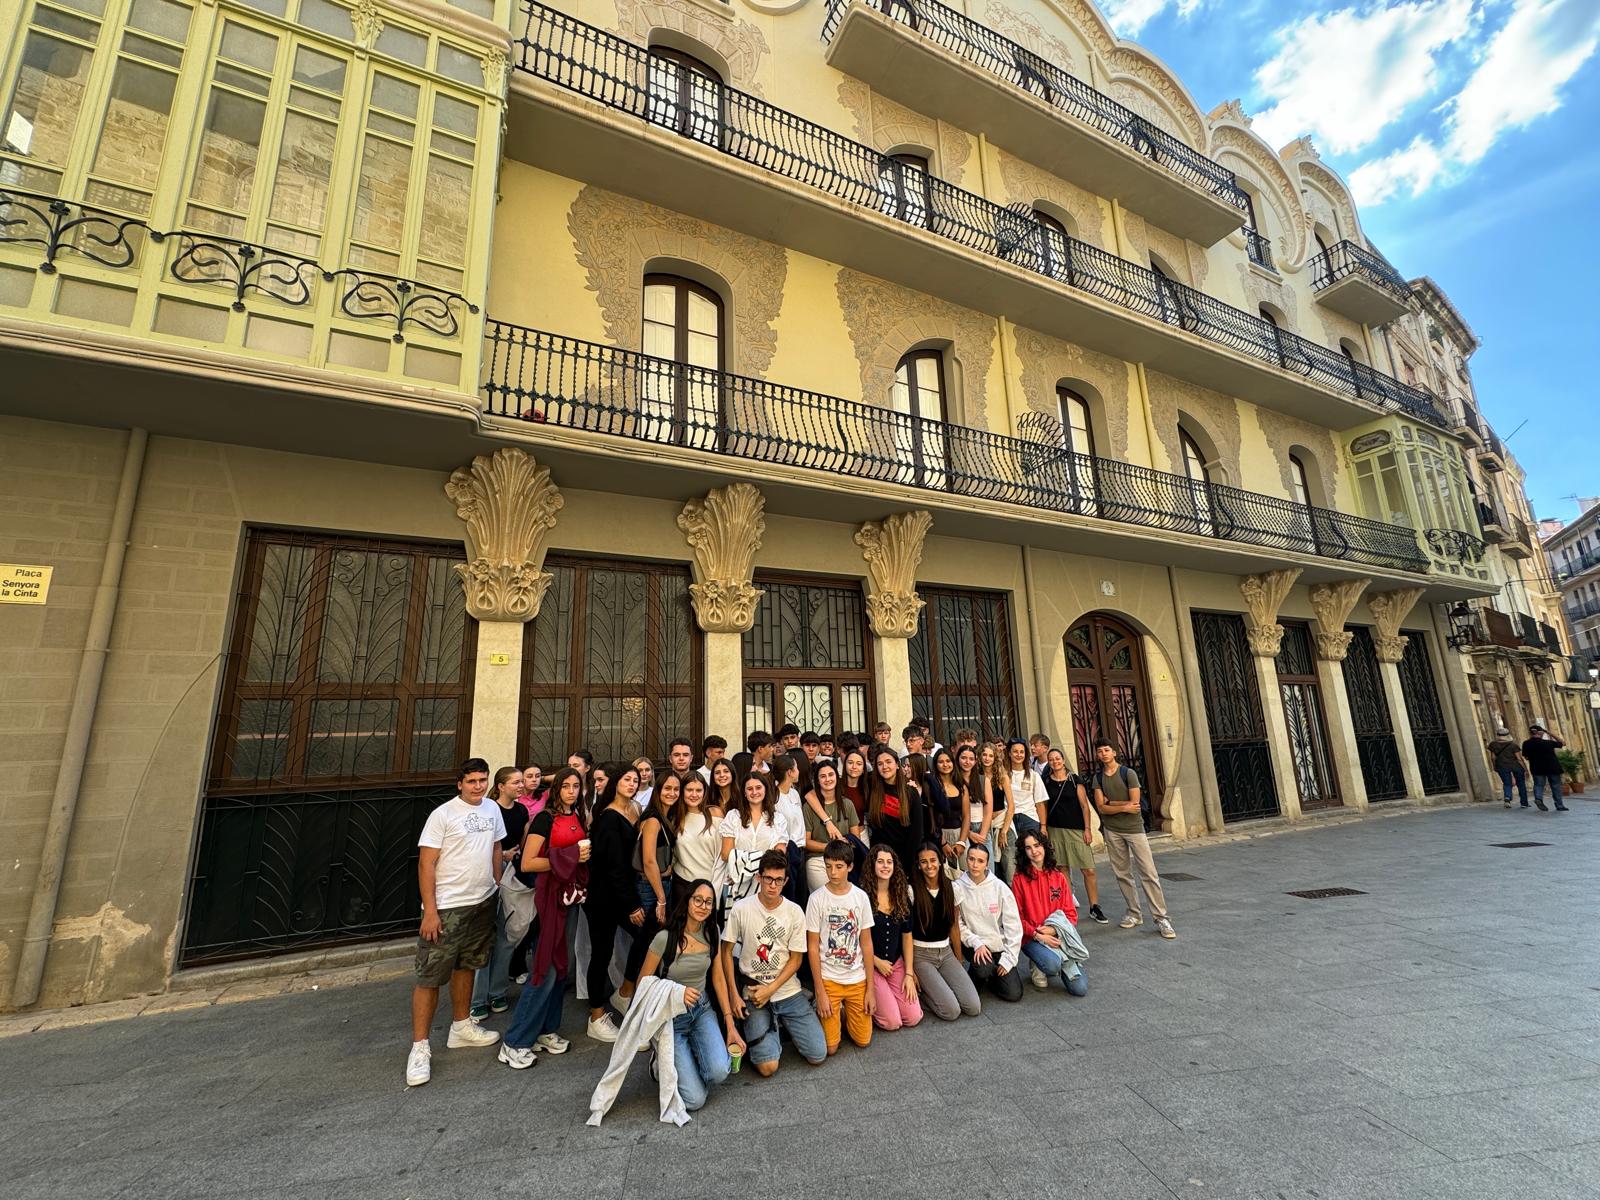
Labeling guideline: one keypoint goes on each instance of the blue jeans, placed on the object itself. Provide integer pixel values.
(1054, 963)
(1555, 787)
(494, 977)
(1507, 774)
(798, 1019)
(700, 1053)
(538, 1010)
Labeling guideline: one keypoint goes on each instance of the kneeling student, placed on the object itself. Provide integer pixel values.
(1048, 913)
(841, 959)
(991, 931)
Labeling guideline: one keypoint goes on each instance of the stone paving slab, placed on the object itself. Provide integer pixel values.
(1437, 1038)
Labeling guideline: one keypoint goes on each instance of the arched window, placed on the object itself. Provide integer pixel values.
(685, 95)
(1194, 461)
(1297, 477)
(1075, 421)
(906, 186)
(682, 324)
(1255, 238)
(1271, 318)
(1053, 238)
(919, 396)
(1194, 468)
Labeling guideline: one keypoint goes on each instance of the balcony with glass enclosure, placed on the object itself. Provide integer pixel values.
(1360, 284)
(197, 185)
(590, 105)
(942, 63)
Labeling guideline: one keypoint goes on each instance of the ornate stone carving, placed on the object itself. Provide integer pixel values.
(1312, 170)
(1325, 462)
(1025, 30)
(1389, 609)
(724, 530)
(1026, 183)
(495, 67)
(1264, 595)
(1217, 416)
(893, 550)
(882, 124)
(1263, 168)
(509, 505)
(885, 320)
(615, 237)
(1046, 361)
(739, 43)
(366, 22)
(1330, 605)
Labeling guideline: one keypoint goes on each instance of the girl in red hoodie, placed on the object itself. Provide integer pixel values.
(1041, 891)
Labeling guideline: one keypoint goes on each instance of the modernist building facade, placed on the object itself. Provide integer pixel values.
(395, 380)
(1571, 554)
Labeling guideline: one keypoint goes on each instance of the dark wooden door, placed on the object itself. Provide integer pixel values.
(1233, 710)
(1435, 763)
(1111, 699)
(1369, 714)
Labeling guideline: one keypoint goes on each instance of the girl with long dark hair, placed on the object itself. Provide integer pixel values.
(894, 808)
(894, 976)
(945, 989)
(1049, 914)
(613, 903)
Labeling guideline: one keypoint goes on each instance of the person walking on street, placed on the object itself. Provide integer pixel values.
(1540, 752)
(1507, 757)
(458, 864)
(1117, 799)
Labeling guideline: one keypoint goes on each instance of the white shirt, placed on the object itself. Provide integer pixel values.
(764, 836)
(694, 856)
(792, 817)
(840, 922)
(989, 917)
(763, 939)
(1027, 793)
(465, 835)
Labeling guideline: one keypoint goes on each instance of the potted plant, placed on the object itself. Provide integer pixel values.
(1572, 767)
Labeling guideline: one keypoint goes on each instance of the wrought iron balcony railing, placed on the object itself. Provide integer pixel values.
(625, 76)
(1060, 89)
(1528, 628)
(1258, 248)
(1454, 544)
(1578, 564)
(564, 381)
(1578, 610)
(1346, 258)
(1551, 638)
(1487, 516)
(64, 230)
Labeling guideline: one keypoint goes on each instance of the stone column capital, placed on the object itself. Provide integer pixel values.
(509, 505)
(1330, 605)
(892, 548)
(1264, 595)
(724, 529)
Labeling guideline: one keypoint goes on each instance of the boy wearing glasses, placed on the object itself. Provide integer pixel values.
(767, 934)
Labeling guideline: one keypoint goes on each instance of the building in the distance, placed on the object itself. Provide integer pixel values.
(1571, 554)
(392, 380)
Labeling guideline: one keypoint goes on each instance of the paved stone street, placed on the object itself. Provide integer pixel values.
(1436, 1037)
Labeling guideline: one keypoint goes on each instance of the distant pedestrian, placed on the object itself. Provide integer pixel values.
(1117, 798)
(458, 862)
(1540, 752)
(1507, 757)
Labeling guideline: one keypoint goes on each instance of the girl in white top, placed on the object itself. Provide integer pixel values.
(699, 833)
(749, 829)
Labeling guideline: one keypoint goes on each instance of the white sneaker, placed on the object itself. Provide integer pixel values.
(1131, 921)
(469, 1033)
(1165, 929)
(419, 1064)
(620, 1002)
(554, 1043)
(518, 1058)
(603, 1028)
(1038, 979)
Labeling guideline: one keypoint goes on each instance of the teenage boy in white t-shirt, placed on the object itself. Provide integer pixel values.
(767, 934)
(457, 865)
(838, 916)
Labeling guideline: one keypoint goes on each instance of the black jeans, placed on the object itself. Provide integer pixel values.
(605, 919)
(987, 975)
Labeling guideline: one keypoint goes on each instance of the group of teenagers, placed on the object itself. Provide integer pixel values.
(805, 886)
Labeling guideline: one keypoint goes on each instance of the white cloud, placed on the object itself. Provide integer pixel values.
(1518, 78)
(1532, 56)
(1411, 169)
(1129, 17)
(1345, 76)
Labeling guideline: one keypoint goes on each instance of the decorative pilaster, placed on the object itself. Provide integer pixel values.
(509, 506)
(1264, 595)
(893, 550)
(366, 23)
(1330, 606)
(1389, 609)
(724, 530)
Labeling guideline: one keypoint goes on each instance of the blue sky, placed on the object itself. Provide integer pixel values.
(1470, 131)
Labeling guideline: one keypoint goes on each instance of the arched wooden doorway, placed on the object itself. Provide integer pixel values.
(1111, 699)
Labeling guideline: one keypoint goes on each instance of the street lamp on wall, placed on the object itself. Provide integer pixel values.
(1463, 627)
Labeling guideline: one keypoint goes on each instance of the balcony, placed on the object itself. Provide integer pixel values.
(939, 62)
(1259, 250)
(1518, 543)
(759, 169)
(1580, 610)
(64, 263)
(1454, 546)
(1495, 628)
(1575, 566)
(1551, 638)
(1492, 522)
(564, 383)
(1491, 454)
(1357, 283)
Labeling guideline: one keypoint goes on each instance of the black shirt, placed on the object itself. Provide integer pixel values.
(611, 875)
(1062, 810)
(1541, 756)
(888, 933)
(943, 915)
(516, 819)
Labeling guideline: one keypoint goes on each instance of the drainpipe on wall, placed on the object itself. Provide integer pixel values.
(80, 724)
(1041, 696)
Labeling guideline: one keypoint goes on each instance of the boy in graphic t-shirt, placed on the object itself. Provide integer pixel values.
(767, 934)
(457, 865)
(838, 914)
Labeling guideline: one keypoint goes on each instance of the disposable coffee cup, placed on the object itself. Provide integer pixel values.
(583, 843)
